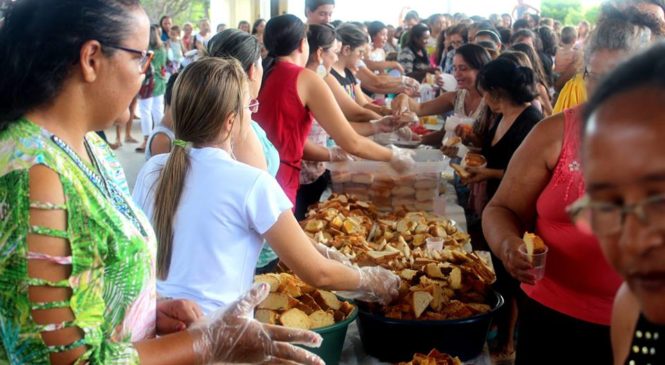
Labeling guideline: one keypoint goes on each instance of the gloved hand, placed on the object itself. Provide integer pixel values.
(410, 83)
(377, 285)
(337, 154)
(402, 159)
(386, 124)
(232, 335)
(332, 254)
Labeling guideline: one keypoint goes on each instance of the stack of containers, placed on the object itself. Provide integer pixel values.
(415, 190)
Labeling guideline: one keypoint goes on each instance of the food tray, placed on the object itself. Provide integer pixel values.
(377, 182)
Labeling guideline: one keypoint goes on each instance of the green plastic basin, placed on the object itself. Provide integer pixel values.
(333, 339)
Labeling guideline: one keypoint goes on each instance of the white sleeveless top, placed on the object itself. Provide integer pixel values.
(477, 114)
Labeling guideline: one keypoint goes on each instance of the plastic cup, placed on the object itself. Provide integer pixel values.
(434, 243)
(538, 261)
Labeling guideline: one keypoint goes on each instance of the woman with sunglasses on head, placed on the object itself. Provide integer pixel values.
(575, 295)
(292, 96)
(210, 236)
(78, 257)
(625, 202)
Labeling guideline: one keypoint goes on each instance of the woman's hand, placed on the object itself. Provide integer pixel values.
(378, 285)
(400, 105)
(232, 335)
(465, 132)
(480, 174)
(175, 315)
(517, 263)
(450, 151)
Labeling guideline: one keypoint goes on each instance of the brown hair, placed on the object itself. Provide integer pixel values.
(205, 95)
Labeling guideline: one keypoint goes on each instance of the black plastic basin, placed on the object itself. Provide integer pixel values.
(395, 340)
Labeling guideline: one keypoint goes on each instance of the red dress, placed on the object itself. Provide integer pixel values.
(578, 280)
(286, 122)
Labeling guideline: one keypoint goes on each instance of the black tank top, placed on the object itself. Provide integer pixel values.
(648, 346)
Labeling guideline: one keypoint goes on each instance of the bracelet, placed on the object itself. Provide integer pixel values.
(330, 155)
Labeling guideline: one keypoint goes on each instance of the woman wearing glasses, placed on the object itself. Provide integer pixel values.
(77, 270)
(542, 179)
(625, 202)
(151, 96)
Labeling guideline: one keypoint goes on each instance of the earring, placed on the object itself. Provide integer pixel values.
(321, 70)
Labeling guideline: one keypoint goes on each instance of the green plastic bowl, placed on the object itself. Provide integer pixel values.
(333, 339)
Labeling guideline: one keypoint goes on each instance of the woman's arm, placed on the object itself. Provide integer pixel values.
(625, 313)
(249, 150)
(351, 109)
(315, 152)
(380, 66)
(160, 144)
(316, 95)
(513, 208)
(440, 105)
(380, 84)
(295, 249)
(544, 97)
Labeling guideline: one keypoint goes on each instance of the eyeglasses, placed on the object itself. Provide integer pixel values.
(144, 61)
(606, 219)
(591, 76)
(253, 106)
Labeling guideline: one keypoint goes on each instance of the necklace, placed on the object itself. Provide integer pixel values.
(108, 190)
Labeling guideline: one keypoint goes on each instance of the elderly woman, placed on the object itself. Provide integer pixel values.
(624, 206)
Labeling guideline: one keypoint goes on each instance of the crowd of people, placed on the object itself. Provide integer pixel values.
(237, 126)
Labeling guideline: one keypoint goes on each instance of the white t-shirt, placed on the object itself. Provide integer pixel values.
(225, 208)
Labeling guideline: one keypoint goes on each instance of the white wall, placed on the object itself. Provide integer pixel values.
(388, 11)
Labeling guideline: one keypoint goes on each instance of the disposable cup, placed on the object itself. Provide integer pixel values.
(538, 260)
(434, 243)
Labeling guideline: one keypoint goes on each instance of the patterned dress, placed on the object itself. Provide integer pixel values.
(113, 247)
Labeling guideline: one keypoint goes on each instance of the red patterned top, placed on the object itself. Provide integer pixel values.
(578, 280)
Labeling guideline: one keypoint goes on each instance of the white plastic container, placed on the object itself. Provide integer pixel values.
(377, 182)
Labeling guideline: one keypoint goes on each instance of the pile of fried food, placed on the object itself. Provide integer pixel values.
(433, 358)
(292, 303)
(436, 285)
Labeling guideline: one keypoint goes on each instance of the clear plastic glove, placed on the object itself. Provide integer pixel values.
(386, 124)
(410, 82)
(332, 254)
(233, 336)
(402, 160)
(337, 154)
(377, 285)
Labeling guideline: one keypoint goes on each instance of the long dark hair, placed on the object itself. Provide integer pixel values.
(320, 36)
(256, 25)
(536, 63)
(282, 36)
(234, 43)
(351, 35)
(508, 79)
(415, 33)
(40, 43)
(474, 55)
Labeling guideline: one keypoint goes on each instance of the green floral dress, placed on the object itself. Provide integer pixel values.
(113, 252)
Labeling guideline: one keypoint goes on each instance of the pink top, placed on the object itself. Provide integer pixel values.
(286, 121)
(578, 280)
